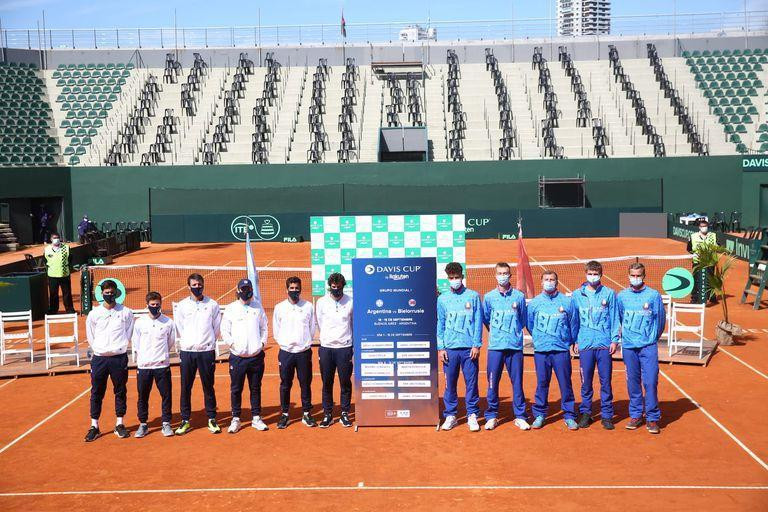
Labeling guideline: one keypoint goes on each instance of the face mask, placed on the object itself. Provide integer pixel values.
(197, 292)
(294, 295)
(502, 279)
(154, 310)
(55, 241)
(337, 292)
(636, 281)
(109, 298)
(245, 294)
(593, 279)
(703, 230)
(455, 284)
(549, 286)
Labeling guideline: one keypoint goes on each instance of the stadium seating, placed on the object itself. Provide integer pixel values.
(26, 135)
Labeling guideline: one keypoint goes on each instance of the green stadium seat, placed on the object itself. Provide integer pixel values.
(741, 148)
(745, 101)
(686, 54)
(110, 66)
(746, 119)
(740, 128)
(728, 129)
(80, 151)
(61, 67)
(74, 142)
(73, 160)
(69, 132)
(763, 137)
(763, 128)
(696, 53)
(69, 150)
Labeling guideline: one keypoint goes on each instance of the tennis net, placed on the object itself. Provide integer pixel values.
(220, 282)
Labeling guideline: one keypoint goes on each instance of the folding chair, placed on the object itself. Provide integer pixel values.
(19, 318)
(667, 300)
(136, 314)
(73, 338)
(680, 309)
(219, 341)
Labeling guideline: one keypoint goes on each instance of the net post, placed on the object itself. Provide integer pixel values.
(149, 281)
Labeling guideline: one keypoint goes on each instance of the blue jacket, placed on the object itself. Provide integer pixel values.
(459, 319)
(598, 317)
(553, 322)
(504, 315)
(642, 315)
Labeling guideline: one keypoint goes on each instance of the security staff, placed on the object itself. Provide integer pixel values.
(703, 237)
(57, 261)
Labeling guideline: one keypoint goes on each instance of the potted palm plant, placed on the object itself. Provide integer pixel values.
(718, 261)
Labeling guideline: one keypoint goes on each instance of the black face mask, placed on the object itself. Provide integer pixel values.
(109, 298)
(294, 295)
(197, 292)
(337, 292)
(154, 310)
(245, 294)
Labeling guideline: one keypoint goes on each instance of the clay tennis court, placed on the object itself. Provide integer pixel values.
(712, 453)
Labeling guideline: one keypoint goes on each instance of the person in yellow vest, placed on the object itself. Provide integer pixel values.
(57, 261)
(703, 236)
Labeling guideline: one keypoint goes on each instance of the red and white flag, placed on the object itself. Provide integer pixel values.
(524, 275)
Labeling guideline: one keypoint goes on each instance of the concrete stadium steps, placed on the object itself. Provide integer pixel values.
(288, 98)
(370, 116)
(527, 108)
(436, 111)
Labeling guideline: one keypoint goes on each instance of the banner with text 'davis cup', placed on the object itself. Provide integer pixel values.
(395, 341)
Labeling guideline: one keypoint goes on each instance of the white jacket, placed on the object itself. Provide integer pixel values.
(244, 328)
(153, 339)
(197, 324)
(334, 317)
(109, 330)
(294, 325)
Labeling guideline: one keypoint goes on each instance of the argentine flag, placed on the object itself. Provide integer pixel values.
(253, 274)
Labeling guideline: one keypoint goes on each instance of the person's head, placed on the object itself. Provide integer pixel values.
(336, 283)
(55, 238)
(293, 288)
(196, 284)
(108, 292)
(85, 217)
(245, 290)
(636, 274)
(594, 272)
(455, 274)
(703, 225)
(503, 273)
(549, 281)
(154, 303)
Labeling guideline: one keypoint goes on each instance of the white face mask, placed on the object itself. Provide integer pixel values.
(455, 284)
(636, 281)
(593, 279)
(502, 279)
(55, 241)
(703, 230)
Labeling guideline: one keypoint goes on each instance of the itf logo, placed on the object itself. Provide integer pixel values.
(370, 269)
(260, 227)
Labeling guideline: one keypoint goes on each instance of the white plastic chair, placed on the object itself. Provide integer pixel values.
(667, 300)
(220, 342)
(19, 318)
(136, 314)
(697, 329)
(73, 338)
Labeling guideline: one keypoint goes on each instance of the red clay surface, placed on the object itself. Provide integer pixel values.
(693, 465)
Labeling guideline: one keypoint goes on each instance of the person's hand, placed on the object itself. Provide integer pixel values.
(442, 355)
(612, 348)
(575, 349)
(474, 353)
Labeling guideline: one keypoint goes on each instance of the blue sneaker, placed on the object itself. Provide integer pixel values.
(571, 424)
(538, 422)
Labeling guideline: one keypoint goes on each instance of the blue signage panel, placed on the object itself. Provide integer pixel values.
(395, 340)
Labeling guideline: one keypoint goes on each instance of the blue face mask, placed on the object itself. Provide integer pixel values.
(636, 281)
(593, 279)
(245, 294)
(455, 284)
(109, 298)
(549, 286)
(502, 279)
(197, 292)
(337, 292)
(154, 310)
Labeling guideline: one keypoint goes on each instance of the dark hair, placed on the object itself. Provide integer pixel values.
(503, 264)
(594, 265)
(703, 221)
(637, 266)
(195, 277)
(291, 280)
(550, 273)
(55, 233)
(153, 296)
(108, 285)
(454, 268)
(337, 279)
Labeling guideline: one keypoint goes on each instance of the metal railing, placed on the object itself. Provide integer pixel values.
(732, 23)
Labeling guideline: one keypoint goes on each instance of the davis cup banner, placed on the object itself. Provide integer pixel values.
(395, 341)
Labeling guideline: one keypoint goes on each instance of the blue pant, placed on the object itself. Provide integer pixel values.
(458, 359)
(600, 357)
(560, 362)
(513, 361)
(642, 366)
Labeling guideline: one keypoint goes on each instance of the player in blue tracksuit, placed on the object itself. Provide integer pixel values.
(643, 318)
(596, 342)
(553, 324)
(459, 338)
(504, 315)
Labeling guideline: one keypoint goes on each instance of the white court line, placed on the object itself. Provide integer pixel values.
(57, 411)
(721, 349)
(362, 487)
(9, 382)
(268, 264)
(719, 425)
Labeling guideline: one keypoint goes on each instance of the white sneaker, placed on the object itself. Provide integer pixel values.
(474, 426)
(449, 423)
(491, 423)
(258, 424)
(234, 427)
(522, 424)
